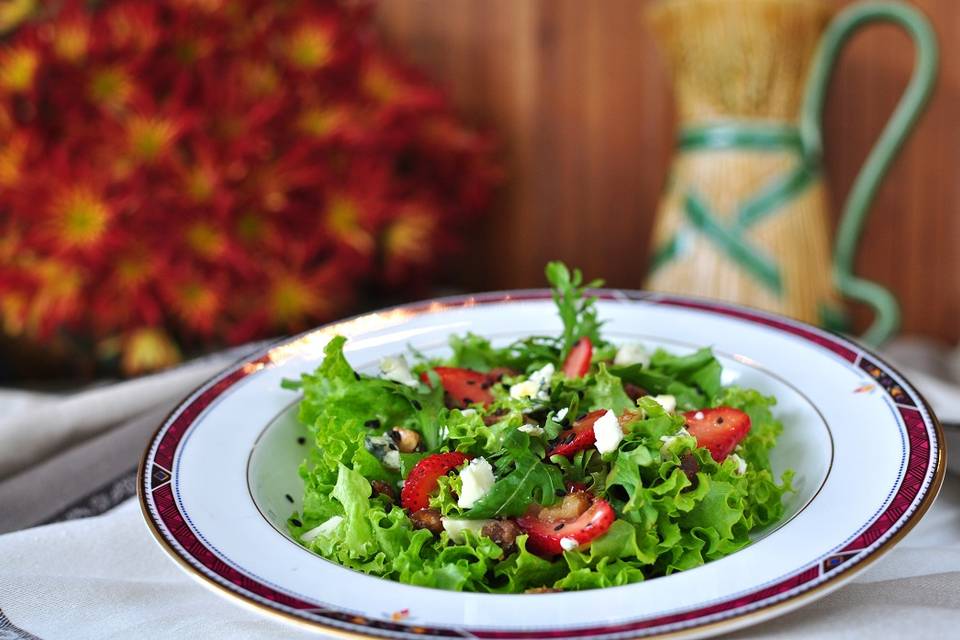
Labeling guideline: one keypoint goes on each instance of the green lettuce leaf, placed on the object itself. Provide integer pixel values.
(605, 391)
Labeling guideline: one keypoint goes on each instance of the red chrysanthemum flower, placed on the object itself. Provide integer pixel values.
(181, 173)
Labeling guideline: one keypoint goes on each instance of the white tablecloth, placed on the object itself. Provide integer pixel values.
(104, 577)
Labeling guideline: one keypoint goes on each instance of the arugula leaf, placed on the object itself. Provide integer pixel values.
(530, 481)
(577, 311)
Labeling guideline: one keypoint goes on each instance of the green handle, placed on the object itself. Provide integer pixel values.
(878, 162)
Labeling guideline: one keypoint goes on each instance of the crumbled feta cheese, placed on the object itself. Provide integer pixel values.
(468, 412)
(531, 429)
(669, 440)
(698, 415)
(741, 464)
(561, 415)
(324, 529)
(543, 374)
(396, 368)
(568, 544)
(608, 432)
(536, 386)
(632, 353)
(668, 402)
(391, 459)
(525, 389)
(476, 479)
(455, 527)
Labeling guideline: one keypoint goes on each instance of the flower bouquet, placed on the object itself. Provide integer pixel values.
(179, 175)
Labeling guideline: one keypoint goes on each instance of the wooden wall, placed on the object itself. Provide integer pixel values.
(578, 93)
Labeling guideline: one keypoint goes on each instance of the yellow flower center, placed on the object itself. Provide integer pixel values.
(71, 40)
(148, 349)
(319, 122)
(250, 226)
(205, 239)
(132, 271)
(80, 218)
(309, 47)
(292, 302)
(18, 68)
(200, 185)
(380, 83)
(344, 221)
(13, 12)
(110, 87)
(408, 238)
(198, 305)
(149, 137)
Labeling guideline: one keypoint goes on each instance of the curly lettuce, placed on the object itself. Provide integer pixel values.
(676, 507)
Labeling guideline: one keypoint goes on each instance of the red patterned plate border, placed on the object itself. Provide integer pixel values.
(917, 489)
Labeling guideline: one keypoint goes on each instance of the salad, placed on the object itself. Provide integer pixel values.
(552, 463)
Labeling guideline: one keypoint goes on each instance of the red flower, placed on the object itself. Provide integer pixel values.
(205, 171)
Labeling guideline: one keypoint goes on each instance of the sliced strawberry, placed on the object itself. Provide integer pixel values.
(578, 360)
(578, 437)
(719, 429)
(464, 386)
(422, 480)
(546, 533)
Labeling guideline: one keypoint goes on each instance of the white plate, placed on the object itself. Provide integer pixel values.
(866, 449)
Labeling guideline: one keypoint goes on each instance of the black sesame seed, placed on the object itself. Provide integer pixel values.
(558, 527)
(301, 440)
(356, 375)
(470, 382)
(372, 424)
(289, 498)
(719, 419)
(580, 393)
(296, 522)
(416, 405)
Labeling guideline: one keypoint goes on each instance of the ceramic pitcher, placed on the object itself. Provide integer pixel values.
(745, 216)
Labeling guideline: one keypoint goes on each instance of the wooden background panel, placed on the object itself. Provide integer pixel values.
(581, 100)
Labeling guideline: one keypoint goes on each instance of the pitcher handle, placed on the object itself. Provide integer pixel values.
(911, 105)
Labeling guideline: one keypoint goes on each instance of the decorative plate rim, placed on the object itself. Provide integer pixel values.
(761, 603)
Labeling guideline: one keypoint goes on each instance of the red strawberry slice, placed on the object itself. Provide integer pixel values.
(719, 429)
(464, 386)
(578, 437)
(546, 534)
(422, 480)
(578, 360)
